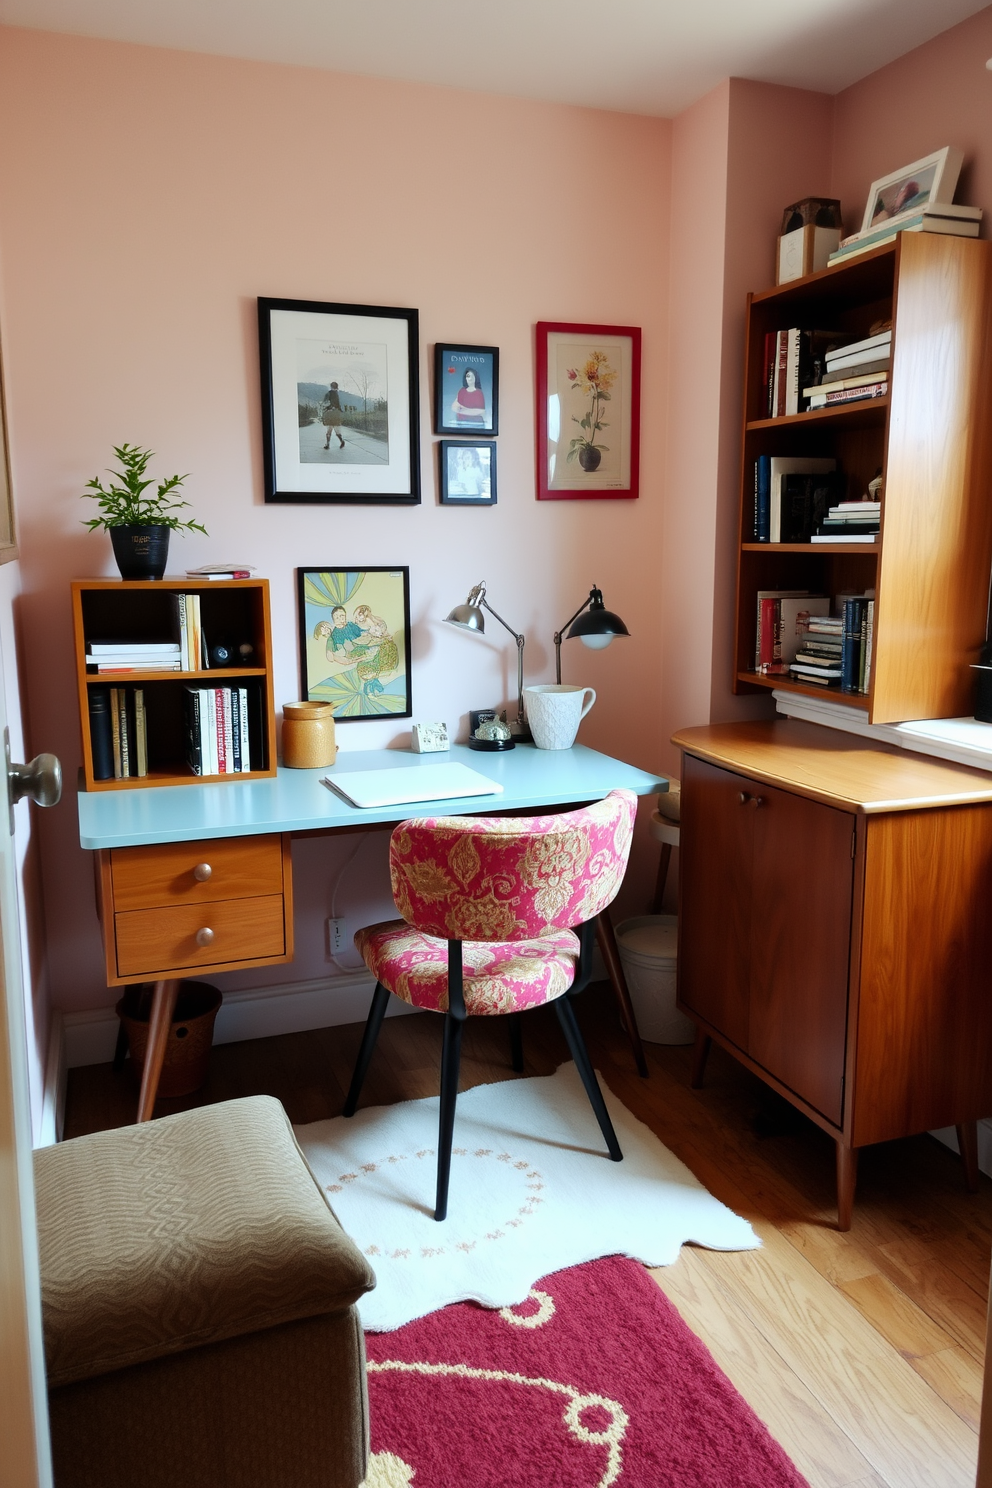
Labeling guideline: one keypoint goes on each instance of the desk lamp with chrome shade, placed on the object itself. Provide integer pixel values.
(595, 628)
(469, 616)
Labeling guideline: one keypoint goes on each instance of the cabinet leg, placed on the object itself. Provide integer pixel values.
(611, 956)
(163, 1006)
(847, 1177)
(700, 1054)
(659, 888)
(968, 1147)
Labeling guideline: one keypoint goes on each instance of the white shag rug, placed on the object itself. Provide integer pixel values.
(532, 1191)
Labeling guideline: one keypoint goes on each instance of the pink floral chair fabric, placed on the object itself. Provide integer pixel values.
(489, 905)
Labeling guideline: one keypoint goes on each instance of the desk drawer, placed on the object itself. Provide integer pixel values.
(158, 942)
(165, 873)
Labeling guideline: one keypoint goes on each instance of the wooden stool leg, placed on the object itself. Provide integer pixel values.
(611, 956)
(968, 1147)
(659, 888)
(163, 1006)
(847, 1176)
(700, 1054)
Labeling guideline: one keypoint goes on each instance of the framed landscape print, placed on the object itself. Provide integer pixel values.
(355, 640)
(466, 389)
(340, 402)
(588, 411)
(468, 473)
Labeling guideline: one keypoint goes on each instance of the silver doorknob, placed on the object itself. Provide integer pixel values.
(41, 779)
(205, 936)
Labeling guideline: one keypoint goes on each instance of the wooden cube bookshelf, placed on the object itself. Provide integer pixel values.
(931, 439)
(133, 610)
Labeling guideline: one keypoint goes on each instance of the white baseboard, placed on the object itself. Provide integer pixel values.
(260, 1012)
(949, 1137)
(53, 1095)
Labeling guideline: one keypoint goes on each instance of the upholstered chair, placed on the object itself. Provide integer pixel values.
(490, 908)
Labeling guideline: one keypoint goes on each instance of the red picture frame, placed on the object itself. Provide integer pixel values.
(588, 383)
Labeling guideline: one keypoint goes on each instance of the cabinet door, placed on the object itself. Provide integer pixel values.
(803, 873)
(715, 850)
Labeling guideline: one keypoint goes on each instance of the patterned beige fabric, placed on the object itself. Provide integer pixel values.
(158, 1238)
(498, 978)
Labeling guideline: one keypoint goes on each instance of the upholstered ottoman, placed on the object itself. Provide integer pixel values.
(198, 1297)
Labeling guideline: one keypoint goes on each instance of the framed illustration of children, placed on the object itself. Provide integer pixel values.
(468, 473)
(340, 403)
(355, 640)
(466, 389)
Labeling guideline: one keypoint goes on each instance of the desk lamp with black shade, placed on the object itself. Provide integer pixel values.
(593, 624)
(469, 616)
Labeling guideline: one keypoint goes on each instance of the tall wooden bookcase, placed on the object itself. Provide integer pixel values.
(931, 438)
(131, 610)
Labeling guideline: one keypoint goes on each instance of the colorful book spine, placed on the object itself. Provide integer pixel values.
(115, 731)
(245, 745)
(850, 661)
(140, 733)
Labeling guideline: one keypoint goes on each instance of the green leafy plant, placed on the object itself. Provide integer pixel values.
(123, 503)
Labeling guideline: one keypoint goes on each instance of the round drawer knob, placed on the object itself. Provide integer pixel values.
(743, 797)
(204, 937)
(202, 872)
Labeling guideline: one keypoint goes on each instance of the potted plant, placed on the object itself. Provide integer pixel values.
(139, 523)
(594, 379)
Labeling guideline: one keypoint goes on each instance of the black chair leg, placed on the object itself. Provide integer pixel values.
(120, 1049)
(577, 1048)
(450, 1062)
(516, 1042)
(380, 1001)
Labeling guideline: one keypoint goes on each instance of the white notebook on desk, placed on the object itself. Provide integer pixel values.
(408, 783)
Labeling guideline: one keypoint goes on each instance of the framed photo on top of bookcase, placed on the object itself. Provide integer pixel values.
(355, 640)
(588, 411)
(340, 403)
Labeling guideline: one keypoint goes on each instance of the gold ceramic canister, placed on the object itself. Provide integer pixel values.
(308, 735)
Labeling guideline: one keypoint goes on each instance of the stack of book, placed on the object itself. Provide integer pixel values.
(850, 521)
(192, 646)
(836, 650)
(782, 621)
(133, 656)
(217, 730)
(221, 571)
(934, 217)
(118, 733)
(859, 369)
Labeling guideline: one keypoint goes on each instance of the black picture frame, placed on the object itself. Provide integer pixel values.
(327, 369)
(452, 362)
(467, 469)
(365, 672)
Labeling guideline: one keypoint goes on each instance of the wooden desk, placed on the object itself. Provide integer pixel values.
(851, 884)
(197, 879)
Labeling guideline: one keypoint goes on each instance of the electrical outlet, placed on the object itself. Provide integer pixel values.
(336, 940)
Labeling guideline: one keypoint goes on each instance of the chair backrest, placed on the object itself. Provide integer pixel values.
(511, 878)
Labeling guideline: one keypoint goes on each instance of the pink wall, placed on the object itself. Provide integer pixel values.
(940, 94)
(146, 198)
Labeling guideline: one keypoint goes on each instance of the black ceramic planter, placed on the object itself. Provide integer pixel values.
(141, 552)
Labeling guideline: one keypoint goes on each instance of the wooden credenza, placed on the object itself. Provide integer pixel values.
(835, 928)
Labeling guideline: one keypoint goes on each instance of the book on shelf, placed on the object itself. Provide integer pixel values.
(770, 471)
(826, 399)
(762, 498)
(782, 617)
(844, 537)
(840, 384)
(824, 676)
(221, 571)
(857, 363)
(192, 643)
(797, 359)
(851, 655)
(101, 739)
(928, 222)
(140, 734)
(218, 731)
(105, 649)
(804, 501)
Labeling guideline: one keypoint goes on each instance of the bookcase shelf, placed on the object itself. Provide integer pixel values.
(930, 437)
(235, 610)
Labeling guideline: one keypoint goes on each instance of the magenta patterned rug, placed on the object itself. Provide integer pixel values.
(594, 1380)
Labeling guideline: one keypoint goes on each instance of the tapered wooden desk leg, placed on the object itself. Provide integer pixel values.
(700, 1054)
(968, 1147)
(611, 956)
(847, 1177)
(659, 888)
(163, 1006)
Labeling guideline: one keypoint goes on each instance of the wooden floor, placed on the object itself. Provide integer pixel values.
(861, 1352)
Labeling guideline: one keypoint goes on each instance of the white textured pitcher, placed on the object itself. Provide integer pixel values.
(554, 712)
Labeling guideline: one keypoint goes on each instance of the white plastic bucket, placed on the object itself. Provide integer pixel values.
(648, 951)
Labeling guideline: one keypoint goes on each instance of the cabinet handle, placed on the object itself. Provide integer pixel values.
(757, 801)
(205, 936)
(744, 797)
(202, 872)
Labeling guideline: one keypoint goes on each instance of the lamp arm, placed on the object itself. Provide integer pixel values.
(520, 655)
(559, 633)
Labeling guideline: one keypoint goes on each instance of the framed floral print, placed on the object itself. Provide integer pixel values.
(588, 411)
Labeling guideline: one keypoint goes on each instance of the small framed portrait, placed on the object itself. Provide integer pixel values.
(588, 411)
(468, 473)
(340, 402)
(913, 187)
(466, 389)
(355, 640)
